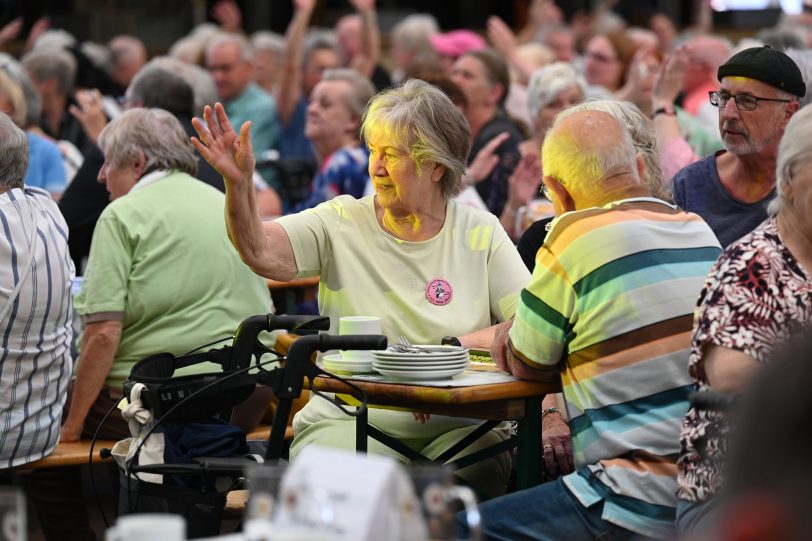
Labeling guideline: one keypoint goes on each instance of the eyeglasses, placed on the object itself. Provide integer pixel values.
(745, 102)
(545, 191)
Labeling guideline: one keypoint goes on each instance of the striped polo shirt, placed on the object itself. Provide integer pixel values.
(35, 327)
(611, 301)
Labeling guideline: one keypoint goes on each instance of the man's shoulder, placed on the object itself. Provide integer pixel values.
(14, 204)
(257, 99)
(574, 230)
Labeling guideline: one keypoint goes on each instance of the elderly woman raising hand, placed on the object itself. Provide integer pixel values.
(408, 254)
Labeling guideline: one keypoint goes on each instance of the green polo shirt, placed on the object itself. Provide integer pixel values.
(161, 261)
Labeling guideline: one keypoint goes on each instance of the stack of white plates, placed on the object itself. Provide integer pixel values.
(337, 363)
(427, 362)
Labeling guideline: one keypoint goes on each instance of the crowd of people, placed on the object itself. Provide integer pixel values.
(625, 208)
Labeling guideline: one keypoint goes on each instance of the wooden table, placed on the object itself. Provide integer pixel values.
(519, 401)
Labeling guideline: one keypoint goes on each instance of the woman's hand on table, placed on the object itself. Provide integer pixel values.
(421, 418)
(556, 441)
(231, 155)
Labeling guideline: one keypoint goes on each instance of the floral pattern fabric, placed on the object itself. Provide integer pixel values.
(344, 172)
(755, 297)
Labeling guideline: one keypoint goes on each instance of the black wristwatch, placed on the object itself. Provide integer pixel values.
(451, 341)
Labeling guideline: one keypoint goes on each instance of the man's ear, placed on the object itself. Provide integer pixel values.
(641, 168)
(792, 108)
(562, 200)
(139, 164)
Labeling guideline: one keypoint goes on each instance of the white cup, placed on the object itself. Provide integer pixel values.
(358, 325)
(148, 527)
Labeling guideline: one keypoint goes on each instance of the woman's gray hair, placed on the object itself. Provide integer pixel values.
(421, 118)
(13, 154)
(268, 41)
(59, 64)
(413, 33)
(643, 135)
(156, 134)
(546, 82)
(199, 79)
(318, 39)
(246, 49)
(794, 151)
(362, 88)
(55, 38)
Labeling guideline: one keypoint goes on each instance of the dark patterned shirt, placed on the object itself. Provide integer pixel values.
(755, 297)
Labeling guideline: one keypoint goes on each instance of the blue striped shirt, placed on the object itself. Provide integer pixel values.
(35, 329)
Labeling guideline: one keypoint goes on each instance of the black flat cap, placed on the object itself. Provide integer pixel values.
(767, 65)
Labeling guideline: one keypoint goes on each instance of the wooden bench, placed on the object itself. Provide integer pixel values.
(78, 452)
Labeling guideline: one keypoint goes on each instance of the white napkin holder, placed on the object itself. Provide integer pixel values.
(349, 497)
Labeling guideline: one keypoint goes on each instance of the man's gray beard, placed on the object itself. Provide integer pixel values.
(744, 147)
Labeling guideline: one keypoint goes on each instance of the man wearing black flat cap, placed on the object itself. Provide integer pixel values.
(759, 93)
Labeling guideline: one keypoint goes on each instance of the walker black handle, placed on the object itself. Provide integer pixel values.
(298, 363)
(352, 342)
(299, 323)
(245, 339)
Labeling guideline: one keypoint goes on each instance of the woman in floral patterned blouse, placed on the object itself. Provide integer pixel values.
(332, 127)
(757, 294)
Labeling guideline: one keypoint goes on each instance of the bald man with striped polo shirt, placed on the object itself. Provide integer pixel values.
(610, 306)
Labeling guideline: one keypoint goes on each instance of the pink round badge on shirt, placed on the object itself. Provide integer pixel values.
(439, 292)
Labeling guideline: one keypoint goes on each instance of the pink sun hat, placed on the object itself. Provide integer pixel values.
(457, 42)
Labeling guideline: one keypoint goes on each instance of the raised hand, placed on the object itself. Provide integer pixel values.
(231, 155)
(363, 5)
(669, 79)
(543, 12)
(486, 159)
(304, 5)
(11, 30)
(524, 183)
(228, 14)
(37, 29)
(501, 35)
(89, 113)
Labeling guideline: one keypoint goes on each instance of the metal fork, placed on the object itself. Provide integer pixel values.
(405, 346)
